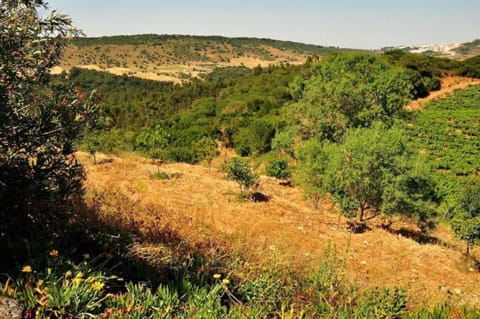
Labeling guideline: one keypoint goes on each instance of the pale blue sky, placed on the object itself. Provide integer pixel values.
(365, 24)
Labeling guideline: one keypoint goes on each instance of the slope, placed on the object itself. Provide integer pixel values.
(178, 58)
(285, 231)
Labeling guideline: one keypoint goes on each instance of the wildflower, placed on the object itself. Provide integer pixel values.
(27, 269)
(49, 271)
(97, 285)
(68, 274)
(79, 275)
(54, 253)
(217, 276)
(76, 281)
(90, 280)
(225, 281)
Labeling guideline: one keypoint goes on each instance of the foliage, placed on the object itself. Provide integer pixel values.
(380, 178)
(348, 91)
(38, 122)
(205, 149)
(447, 132)
(160, 175)
(237, 169)
(278, 168)
(284, 139)
(467, 222)
(62, 290)
(311, 169)
(255, 138)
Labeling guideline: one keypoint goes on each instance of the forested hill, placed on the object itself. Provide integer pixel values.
(178, 58)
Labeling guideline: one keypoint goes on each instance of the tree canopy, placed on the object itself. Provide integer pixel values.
(371, 173)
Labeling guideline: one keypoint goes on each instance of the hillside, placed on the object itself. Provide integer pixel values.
(177, 57)
(285, 231)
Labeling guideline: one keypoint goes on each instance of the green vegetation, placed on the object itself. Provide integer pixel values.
(366, 178)
(278, 168)
(466, 223)
(337, 120)
(447, 131)
(203, 42)
(206, 149)
(39, 123)
(237, 169)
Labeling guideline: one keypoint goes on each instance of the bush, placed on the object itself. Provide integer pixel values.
(238, 170)
(39, 123)
(278, 168)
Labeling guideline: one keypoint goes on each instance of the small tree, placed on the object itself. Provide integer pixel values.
(311, 169)
(206, 149)
(278, 168)
(93, 145)
(466, 223)
(372, 173)
(238, 170)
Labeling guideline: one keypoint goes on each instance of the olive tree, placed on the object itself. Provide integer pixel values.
(372, 173)
(238, 170)
(206, 149)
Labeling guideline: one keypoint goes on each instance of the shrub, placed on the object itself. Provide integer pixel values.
(278, 168)
(38, 122)
(238, 170)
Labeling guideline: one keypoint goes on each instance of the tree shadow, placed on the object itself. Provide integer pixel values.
(357, 227)
(121, 244)
(418, 236)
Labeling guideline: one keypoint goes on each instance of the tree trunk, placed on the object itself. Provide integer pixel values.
(362, 211)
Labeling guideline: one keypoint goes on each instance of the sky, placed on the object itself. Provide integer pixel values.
(362, 24)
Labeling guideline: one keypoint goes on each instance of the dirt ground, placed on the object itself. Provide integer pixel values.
(449, 84)
(287, 231)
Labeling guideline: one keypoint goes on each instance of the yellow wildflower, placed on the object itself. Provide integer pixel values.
(76, 281)
(68, 274)
(27, 269)
(225, 281)
(97, 285)
(49, 271)
(217, 276)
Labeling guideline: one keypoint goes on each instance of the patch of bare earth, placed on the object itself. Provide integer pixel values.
(448, 85)
(285, 231)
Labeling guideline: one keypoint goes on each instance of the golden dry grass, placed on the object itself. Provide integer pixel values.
(285, 231)
(160, 62)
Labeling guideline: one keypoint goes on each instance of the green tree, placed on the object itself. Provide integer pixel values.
(349, 91)
(278, 168)
(206, 149)
(255, 138)
(38, 121)
(237, 169)
(371, 173)
(311, 169)
(466, 223)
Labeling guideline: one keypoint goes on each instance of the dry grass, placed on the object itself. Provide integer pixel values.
(160, 62)
(285, 231)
